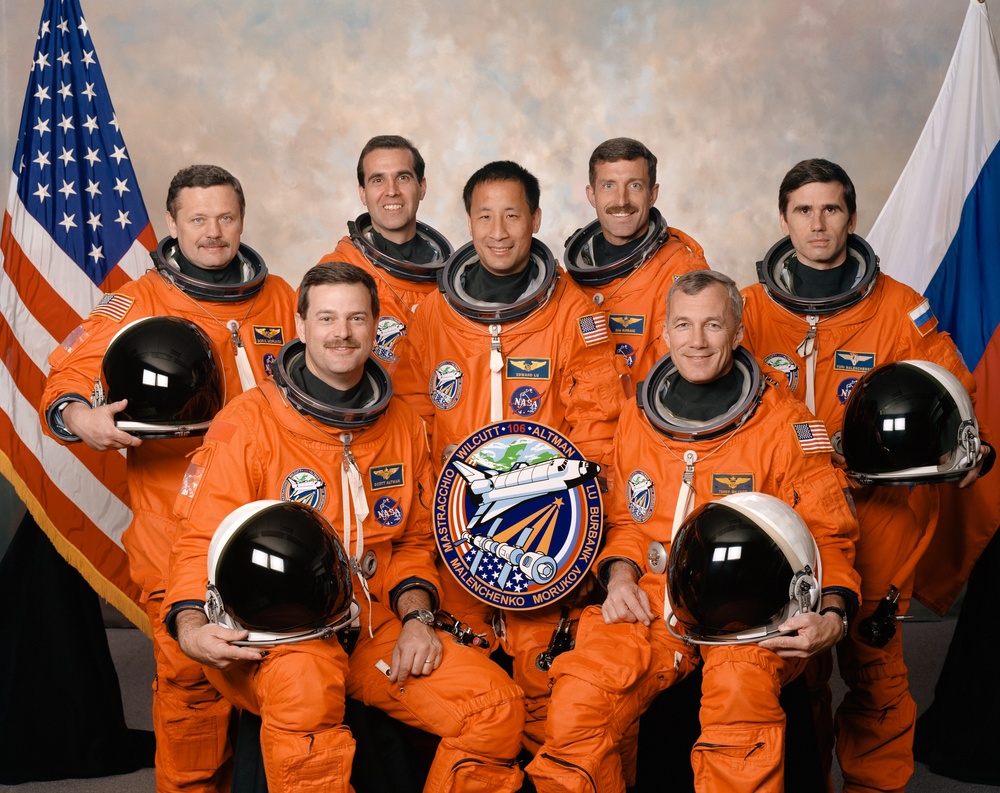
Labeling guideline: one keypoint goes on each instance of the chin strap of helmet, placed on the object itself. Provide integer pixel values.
(657, 556)
(247, 380)
(353, 489)
(807, 349)
(496, 375)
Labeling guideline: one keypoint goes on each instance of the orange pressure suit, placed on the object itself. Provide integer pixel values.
(190, 721)
(401, 285)
(602, 686)
(552, 365)
(262, 447)
(874, 723)
(635, 297)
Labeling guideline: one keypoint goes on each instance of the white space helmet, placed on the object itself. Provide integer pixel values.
(170, 373)
(739, 567)
(278, 570)
(907, 423)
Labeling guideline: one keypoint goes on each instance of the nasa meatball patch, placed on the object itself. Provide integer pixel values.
(517, 515)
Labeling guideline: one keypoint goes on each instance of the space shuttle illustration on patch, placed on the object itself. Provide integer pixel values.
(494, 493)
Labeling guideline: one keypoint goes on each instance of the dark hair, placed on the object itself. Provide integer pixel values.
(816, 170)
(696, 281)
(335, 273)
(503, 171)
(390, 142)
(622, 149)
(202, 176)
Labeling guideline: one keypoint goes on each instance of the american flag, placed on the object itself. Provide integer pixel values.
(594, 328)
(812, 437)
(75, 227)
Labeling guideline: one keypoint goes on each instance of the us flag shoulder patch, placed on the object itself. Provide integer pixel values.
(924, 318)
(812, 437)
(593, 328)
(114, 306)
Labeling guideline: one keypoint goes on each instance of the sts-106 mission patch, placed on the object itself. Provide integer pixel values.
(517, 515)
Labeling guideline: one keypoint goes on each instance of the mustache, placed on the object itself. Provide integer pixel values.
(214, 244)
(352, 343)
(623, 208)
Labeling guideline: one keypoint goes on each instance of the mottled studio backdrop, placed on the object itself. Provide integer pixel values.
(728, 94)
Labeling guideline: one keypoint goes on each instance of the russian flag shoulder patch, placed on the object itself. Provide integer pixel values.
(923, 318)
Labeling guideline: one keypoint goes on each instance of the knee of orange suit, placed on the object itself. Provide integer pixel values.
(190, 718)
(301, 688)
(593, 705)
(551, 773)
(301, 691)
(192, 739)
(482, 755)
(875, 748)
(492, 724)
(874, 727)
(742, 741)
(320, 760)
(740, 758)
(582, 737)
(875, 721)
(876, 677)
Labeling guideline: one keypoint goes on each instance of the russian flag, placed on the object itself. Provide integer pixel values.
(939, 232)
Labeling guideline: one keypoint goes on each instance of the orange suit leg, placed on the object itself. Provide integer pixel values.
(299, 691)
(599, 690)
(468, 701)
(190, 719)
(876, 719)
(742, 741)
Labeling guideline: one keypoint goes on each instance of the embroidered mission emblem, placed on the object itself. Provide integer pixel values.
(305, 487)
(783, 363)
(269, 359)
(525, 401)
(517, 515)
(388, 331)
(446, 385)
(641, 496)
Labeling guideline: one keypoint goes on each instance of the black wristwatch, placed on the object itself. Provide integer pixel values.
(425, 616)
(836, 610)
